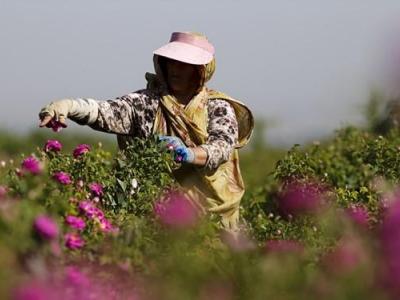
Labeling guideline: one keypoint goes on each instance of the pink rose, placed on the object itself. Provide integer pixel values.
(62, 177)
(73, 241)
(96, 189)
(90, 210)
(80, 150)
(106, 226)
(52, 146)
(75, 222)
(32, 165)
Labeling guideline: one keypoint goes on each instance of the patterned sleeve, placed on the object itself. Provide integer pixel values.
(222, 133)
(129, 114)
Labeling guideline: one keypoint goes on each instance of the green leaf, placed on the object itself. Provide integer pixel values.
(122, 184)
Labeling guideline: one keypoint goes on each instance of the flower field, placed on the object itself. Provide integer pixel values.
(79, 220)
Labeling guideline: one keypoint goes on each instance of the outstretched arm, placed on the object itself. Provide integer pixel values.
(113, 116)
(83, 111)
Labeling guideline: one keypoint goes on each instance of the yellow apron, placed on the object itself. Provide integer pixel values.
(219, 191)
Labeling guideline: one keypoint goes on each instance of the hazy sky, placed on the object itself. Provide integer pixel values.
(306, 65)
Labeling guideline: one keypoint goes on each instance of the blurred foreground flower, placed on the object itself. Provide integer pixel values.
(348, 255)
(71, 283)
(52, 146)
(34, 291)
(73, 241)
(238, 241)
(390, 249)
(284, 246)
(176, 211)
(217, 291)
(302, 198)
(62, 177)
(80, 150)
(32, 165)
(75, 222)
(358, 214)
(3, 191)
(55, 248)
(46, 227)
(75, 277)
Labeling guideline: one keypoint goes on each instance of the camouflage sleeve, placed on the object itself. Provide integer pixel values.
(131, 114)
(222, 133)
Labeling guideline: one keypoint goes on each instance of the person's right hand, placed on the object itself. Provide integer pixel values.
(54, 114)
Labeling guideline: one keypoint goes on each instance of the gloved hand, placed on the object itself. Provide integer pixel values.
(181, 152)
(82, 111)
(54, 114)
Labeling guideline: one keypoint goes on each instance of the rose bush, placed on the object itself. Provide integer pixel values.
(117, 227)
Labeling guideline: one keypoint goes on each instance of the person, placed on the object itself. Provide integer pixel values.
(203, 127)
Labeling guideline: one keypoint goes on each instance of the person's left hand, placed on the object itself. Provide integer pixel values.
(181, 152)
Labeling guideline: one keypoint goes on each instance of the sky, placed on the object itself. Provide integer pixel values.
(306, 67)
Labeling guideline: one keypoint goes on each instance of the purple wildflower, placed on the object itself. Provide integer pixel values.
(73, 241)
(46, 227)
(80, 150)
(62, 177)
(177, 211)
(32, 165)
(75, 222)
(52, 146)
(96, 189)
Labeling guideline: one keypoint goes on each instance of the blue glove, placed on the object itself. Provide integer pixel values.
(181, 152)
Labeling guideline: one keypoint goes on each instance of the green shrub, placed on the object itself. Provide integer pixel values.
(356, 166)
